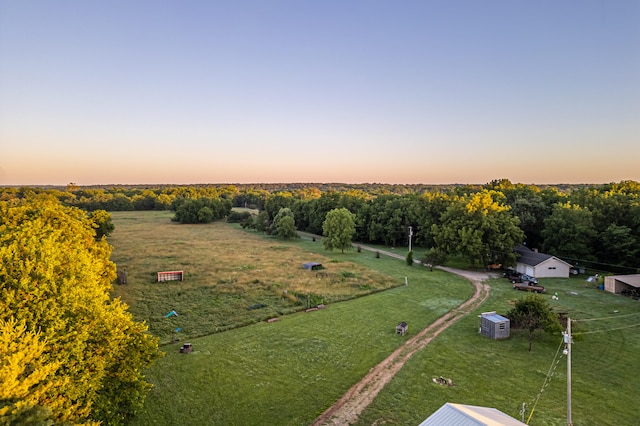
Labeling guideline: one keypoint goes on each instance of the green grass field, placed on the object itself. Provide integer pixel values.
(288, 372)
(227, 272)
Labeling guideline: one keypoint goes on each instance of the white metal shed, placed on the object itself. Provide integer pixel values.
(494, 326)
(451, 414)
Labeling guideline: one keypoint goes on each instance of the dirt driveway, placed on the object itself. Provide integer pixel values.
(347, 409)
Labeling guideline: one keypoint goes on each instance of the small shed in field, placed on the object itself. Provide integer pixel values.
(402, 328)
(312, 266)
(494, 326)
(540, 265)
(469, 415)
(170, 276)
(622, 284)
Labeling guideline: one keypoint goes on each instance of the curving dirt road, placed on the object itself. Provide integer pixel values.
(347, 409)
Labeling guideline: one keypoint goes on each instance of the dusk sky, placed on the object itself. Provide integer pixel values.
(434, 92)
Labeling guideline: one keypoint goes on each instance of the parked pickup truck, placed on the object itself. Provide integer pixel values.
(511, 274)
(529, 286)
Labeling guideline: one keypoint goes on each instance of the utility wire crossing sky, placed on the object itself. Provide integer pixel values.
(354, 91)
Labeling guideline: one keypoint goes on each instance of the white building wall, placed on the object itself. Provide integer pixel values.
(552, 268)
(525, 269)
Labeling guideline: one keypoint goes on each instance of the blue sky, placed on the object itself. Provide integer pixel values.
(319, 91)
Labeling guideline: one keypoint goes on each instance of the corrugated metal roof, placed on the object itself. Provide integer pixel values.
(452, 414)
(493, 317)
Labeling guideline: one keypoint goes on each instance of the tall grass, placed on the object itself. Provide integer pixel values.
(228, 273)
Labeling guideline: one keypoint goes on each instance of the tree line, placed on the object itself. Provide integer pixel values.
(594, 225)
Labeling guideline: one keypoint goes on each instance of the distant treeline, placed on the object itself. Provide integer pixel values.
(593, 225)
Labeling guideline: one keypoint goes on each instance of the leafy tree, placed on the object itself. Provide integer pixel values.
(102, 223)
(251, 198)
(618, 245)
(262, 221)
(284, 226)
(201, 210)
(430, 208)
(55, 281)
(318, 208)
(409, 258)
(277, 201)
(242, 217)
(434, 257)
(533, 313)
(530, 205)
(147, 200)
(338, 228)
(615, 210)
(569, 232)
(479, 227)
(163, 202)
(286, 229)
(26, 374)
(205, 215)
(389, 219)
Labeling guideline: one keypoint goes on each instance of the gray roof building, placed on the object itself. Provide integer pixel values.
(620, 283)
(540, 265)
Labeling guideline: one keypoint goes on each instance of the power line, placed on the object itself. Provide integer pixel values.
(593, 262)
(605, 318)
(547, 379)
(583, 261)
(606, 330)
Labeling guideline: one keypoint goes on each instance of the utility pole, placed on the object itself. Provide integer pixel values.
(410, 235)
(567, 341)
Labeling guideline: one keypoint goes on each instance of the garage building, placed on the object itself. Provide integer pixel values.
(540, 265)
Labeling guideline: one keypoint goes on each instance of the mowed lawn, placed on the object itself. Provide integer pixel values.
(288, 372)
(504, 375)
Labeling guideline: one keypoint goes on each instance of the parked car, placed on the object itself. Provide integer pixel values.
(522, 278)
(529, 286)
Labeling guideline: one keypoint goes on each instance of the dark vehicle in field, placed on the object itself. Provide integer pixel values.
(511, 274)
(529, 286)
(524, 278)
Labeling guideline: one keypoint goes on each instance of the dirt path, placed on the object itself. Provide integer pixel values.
(347, 409)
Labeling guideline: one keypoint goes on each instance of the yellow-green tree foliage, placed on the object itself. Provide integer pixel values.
(83, 354)
(26, 375)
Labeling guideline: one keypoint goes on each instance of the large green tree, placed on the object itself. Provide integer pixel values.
(479, 226)
(201, 210)
(338, 229)
(569, 232)
(284, 226)
(55, 282)
(533, 314)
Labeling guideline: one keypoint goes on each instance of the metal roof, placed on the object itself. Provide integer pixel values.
(633, 279)
(493, 317)
(451, 414)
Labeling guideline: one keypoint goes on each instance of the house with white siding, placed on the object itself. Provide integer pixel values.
(540, 265)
